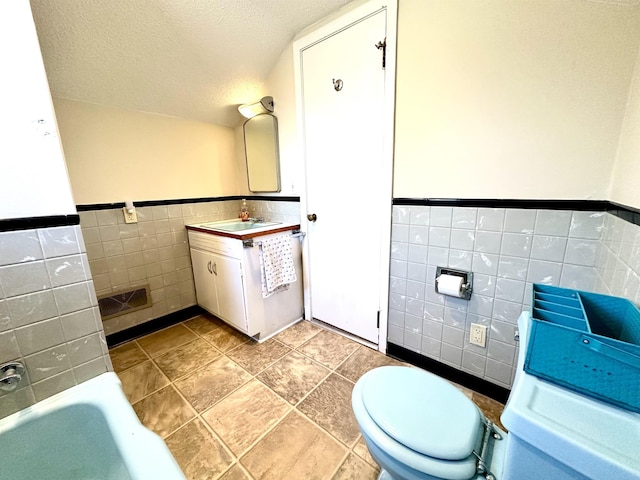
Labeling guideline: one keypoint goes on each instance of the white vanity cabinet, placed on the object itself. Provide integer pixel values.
(228, 283)
(219, 286)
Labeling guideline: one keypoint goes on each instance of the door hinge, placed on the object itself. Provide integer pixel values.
(378, 321)
(383, 46)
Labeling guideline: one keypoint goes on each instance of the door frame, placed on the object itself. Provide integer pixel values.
(331, 26)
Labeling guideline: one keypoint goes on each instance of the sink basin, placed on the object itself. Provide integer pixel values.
(236, 226)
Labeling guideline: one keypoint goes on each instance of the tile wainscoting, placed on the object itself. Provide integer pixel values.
(508, 249)
(49, 319)
(155, 251)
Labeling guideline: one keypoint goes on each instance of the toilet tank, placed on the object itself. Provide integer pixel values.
(558, 434)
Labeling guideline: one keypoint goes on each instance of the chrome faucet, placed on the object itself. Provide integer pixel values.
(257, 220)
(10, 375)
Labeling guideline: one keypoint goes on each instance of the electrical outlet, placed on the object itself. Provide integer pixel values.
(478, 335)
(130, 215)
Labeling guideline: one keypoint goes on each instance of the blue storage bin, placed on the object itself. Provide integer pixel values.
(587, 342)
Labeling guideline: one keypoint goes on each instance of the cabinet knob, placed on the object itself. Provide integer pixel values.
(312, 217)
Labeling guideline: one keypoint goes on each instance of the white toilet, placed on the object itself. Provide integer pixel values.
(418, 426)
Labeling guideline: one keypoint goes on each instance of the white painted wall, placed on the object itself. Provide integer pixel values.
(281, 86)
(511, 98)
(625, 187)
(115, 155)
(33, 178)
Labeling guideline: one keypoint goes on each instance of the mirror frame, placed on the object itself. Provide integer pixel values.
(276, 155)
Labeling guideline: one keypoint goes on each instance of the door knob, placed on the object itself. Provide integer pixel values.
(312, 217)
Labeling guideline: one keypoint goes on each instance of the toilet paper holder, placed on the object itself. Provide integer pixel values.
(467, 283)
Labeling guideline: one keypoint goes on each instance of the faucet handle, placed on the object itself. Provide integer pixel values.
(10, 375)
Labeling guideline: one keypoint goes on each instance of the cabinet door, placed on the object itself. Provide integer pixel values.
(230, 291)
(205, 279)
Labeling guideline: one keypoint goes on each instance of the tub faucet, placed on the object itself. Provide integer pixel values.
(10, 376)
(257, 220)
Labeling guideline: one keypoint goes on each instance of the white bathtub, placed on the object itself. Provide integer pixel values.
(84, 433)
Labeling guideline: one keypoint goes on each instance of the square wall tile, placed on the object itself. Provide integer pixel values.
(548, 248)
(510, 290)
(462, 239)
(519, 220)
(59, 241)
(553, 222)
(581, 252)
(24, 278)
(19, 247)
(39, 336)
(587, 225)
(419, 215)
(401, 214)
(9, 349)
(516, 245)
(464, 218)
(488, 242)
(491, 219)
(441, 216)
(439, 236)
(451, 355)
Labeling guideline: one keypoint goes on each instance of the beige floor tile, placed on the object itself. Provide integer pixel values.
(255, 357)
(126, 356)
(298, 334)
(161, 342)
(295, 449)
(164, 411)
(200, 455)
(142, 380)
(245, 415)
(204, 324)
(236, 473)
(293, 376)
(363, 360)
(187, 358)
(329, 406)
(328, 348)
(362, 451)
(354, 468)
(225, 338)
(208, 385)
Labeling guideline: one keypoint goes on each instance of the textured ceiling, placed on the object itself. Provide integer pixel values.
(196, 59)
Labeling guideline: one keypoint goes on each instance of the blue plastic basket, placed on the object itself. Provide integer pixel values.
(587, 342)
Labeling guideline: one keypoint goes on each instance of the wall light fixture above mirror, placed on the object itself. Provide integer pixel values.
(250, 110)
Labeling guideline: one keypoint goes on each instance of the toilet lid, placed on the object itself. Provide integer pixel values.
(422, 411)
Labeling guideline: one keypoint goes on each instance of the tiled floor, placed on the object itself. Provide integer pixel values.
(231, 408)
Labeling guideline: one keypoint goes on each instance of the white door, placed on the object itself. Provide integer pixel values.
(342, 107)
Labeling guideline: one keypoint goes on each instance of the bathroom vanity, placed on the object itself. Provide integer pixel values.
(226, 268)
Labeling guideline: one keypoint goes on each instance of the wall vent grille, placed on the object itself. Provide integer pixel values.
(121, 303)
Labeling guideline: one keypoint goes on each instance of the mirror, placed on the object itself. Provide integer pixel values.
(261, 151)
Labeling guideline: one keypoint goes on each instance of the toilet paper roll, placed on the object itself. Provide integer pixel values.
(450, 285)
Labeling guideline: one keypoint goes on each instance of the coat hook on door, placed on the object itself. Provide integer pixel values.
(337, 84)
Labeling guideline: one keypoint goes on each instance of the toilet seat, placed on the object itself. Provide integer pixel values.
(389, 404)
(396, 399)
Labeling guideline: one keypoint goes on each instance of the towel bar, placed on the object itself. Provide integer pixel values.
(250, 242)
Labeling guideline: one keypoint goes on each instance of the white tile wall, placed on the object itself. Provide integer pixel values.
(508, 250)
(155, 251)
(49, 318)
(618, 259)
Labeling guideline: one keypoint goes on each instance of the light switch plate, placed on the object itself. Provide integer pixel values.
(130, 215)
